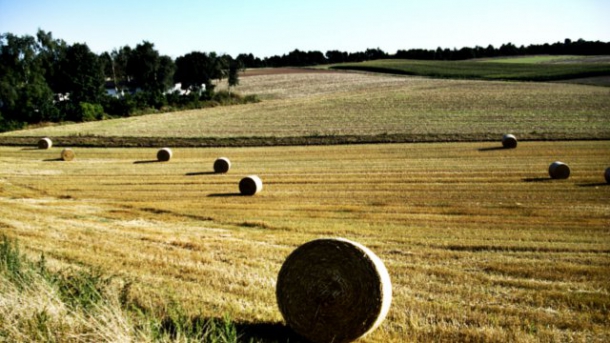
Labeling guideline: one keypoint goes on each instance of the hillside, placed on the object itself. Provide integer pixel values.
(339, 107)
(513, 69)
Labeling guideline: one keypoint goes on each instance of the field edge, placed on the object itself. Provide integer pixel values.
(214, 142)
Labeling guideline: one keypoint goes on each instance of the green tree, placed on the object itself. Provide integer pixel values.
(165, 73)
(148, 70)
(50, 52)
(118, 69)
(235, 67)
(195, 71)
(25, 95)
(81, 75)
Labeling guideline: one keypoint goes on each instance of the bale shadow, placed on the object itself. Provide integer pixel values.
(225, 195)
(200, 173)
(245, 332)
(267, 332)
(599, 184)
(537, 179)
(53, 160)
(146, 161)
(493, 148)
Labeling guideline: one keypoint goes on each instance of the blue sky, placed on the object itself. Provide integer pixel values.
(274, 27)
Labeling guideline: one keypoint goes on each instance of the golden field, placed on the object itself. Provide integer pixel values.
(480, 244)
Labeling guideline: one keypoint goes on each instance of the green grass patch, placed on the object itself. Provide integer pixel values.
(533, 59)
(485, 71)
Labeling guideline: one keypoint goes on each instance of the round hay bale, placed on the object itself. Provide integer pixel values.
(333, 290)
(67, 154)
(509, 141)
(164, 154)
(250, 185)
(222, 165)
(45, 143)
(607, 175)
(559, 170)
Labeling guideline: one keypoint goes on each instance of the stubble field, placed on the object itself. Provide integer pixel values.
(334, 104)
(480, 244)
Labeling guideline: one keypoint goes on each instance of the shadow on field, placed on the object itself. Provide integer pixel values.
(53, 160)
(200, 173)
(598, 184)
(219, 329)
(537, 179)
(147, 161)
(267, 332)
(30, 148)
(493, 148)
(221, 195)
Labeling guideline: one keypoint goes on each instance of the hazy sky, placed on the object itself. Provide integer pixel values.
(276, 27)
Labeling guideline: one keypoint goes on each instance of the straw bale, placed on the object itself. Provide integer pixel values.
(559, 170)
(333, 290)
(67, 154)
(222, 165)
(45, 143)
(250, 185)
(164, 154)
(509, 141)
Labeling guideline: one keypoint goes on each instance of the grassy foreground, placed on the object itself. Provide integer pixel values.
(480, 244)
(42, 305)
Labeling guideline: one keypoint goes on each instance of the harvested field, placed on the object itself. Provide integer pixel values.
(330, 105)
(480, 243)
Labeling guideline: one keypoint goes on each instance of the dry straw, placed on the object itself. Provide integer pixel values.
(250, 185)
(607, 175)
(222, 165)
(559, 170)
(45, 143)
(333, 290)
(164, 154)
(67, 154)
(509, 141)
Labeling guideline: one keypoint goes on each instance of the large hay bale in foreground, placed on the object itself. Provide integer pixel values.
(607, 175)
(333, 290)
(164, 154)
(45, 143)
(559, 170)
(509, 141)
(222, 165)
(250, 185)
(67, 154)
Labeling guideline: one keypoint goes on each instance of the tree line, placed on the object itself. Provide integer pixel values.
(310, 58)
(43, 79)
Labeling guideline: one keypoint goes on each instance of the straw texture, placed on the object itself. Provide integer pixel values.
(67, 154)
(164, 154)
(45, 143)
(333, 290)
(509, 141)
(559, 170)
(250, 185)
(222, 165)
